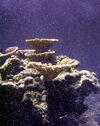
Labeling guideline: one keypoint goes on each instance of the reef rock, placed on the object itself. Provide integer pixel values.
(43, 92)
(9, 52)
(11, 67)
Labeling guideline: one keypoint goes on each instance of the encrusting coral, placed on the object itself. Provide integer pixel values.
(41, 89)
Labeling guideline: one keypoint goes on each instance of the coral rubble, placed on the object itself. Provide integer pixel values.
(38, 88)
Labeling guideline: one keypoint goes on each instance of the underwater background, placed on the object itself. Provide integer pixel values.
(75, 23)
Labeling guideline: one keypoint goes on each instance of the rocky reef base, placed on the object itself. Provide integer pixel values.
(48, 92)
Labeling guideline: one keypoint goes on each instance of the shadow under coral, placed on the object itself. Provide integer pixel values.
(64, 106)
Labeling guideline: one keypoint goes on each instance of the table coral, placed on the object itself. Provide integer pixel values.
(40, 56)
(33, 56)
(41, 45)
(22, 53)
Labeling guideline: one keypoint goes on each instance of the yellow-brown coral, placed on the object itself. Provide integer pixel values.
(22, 53)
(39, 56)
(11, 49)
(49, 71)
(41, 45)
(73, 63)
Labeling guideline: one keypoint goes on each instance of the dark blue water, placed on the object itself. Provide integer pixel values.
(76, 23)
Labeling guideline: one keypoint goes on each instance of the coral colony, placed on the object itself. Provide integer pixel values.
(39, 88)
